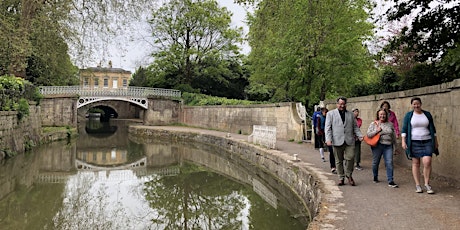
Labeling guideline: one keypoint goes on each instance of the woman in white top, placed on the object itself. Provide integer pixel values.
(420, 142)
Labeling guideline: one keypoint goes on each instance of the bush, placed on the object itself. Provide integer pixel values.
(15, 94)
(195, 99)
(23, 108)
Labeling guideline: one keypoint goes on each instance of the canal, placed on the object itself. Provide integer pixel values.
(105, 179)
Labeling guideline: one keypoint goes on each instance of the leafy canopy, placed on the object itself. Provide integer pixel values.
(308, 50)
(195, 49)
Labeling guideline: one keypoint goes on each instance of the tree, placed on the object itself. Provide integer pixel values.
(140, 78)
(84, 25)
(319, 54)
(188, 36)
(434, 28)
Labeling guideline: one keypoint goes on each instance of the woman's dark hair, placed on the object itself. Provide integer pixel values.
(385, 102)
(416, 99)
(377, 114)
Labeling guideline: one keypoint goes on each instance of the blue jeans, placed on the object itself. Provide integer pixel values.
(387, 152)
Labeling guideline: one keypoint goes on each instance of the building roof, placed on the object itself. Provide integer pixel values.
(105, 70)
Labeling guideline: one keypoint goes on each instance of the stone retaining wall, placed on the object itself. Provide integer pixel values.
(59, 111)
(240, 119)
(17, 135)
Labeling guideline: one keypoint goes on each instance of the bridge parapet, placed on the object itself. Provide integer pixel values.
(130, 91)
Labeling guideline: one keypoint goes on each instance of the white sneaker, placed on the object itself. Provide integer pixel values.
(428, 189)
(418, 189)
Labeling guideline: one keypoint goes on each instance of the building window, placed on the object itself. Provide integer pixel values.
(85, 82)
(125, 82)
(106, 83)
(96, 82)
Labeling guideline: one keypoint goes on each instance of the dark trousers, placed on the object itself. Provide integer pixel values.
(331, 156)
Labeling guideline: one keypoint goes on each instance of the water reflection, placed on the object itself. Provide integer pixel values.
(116, 182)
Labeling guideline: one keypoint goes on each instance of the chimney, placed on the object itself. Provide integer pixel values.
(110, 64)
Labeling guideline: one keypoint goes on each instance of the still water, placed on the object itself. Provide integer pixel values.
(105, 179)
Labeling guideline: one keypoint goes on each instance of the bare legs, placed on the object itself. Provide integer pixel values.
(426, 160)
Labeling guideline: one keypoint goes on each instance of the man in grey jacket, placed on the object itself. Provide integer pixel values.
(340, 130)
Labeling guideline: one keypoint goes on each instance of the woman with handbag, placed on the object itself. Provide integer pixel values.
(381, 126)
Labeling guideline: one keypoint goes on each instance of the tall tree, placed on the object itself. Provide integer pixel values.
(188, 35)
(85, 26)
(307, 50)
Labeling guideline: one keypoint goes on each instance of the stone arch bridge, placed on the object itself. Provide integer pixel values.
(67, 105)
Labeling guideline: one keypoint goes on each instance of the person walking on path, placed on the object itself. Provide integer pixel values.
(320, 121)
(314, 119)
(384, 146)
(359, 122)
(321, 124)
(341, 130)
(391, 116)
(420, 142)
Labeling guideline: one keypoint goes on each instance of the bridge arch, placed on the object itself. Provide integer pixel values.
(122, 109)
(142, 102)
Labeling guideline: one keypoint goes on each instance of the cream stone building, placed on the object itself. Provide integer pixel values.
(104, 77)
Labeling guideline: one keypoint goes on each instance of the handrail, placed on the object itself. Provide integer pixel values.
(131, 91)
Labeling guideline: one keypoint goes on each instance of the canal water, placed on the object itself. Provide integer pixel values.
(106, 179)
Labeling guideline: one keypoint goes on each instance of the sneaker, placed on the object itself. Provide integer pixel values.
(334, 171)
(376, 180)
(428, 189)
(418, 189)
(358, 167)
(392, 184)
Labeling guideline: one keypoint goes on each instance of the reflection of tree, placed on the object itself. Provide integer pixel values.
(94, 124)
(195, 199)
(86, 206)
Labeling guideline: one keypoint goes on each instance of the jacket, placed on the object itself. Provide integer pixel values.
(341, 132)
(407, 130)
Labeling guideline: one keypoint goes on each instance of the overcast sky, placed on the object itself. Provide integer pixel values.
(137, 51)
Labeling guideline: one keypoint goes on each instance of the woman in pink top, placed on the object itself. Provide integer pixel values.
(391, 116)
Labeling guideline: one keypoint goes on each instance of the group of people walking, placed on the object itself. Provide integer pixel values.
(339, 131)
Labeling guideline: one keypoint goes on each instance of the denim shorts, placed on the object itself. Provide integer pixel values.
(421, 149)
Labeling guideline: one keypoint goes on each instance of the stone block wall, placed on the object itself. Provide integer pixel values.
(240, 119)
(161, 112)
(442, 101)
(59, 111)
(16, 135)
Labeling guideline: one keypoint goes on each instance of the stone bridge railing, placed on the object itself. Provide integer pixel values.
(130, 91)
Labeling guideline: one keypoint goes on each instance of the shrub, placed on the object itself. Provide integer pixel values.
(23, 108)
(195, 99)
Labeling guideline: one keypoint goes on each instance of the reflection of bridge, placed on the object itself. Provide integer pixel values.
(83, 166)
(136, 95)
(107, 175)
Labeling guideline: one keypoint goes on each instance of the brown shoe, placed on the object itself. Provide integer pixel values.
(341, 182)
(351, 181)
